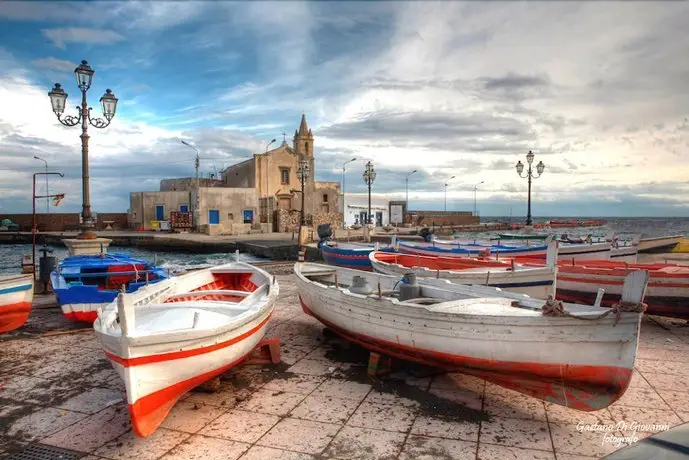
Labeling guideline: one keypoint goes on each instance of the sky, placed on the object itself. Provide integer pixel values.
(598, 91)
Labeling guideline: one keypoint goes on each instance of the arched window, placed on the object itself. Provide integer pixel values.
(306, 147)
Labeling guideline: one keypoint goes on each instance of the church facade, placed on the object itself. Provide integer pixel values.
(262, 193)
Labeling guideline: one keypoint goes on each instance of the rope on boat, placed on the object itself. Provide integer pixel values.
(554, 307)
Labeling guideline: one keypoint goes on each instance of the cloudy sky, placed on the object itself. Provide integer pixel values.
(599, 91)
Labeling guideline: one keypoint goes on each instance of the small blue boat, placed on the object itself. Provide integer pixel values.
(82, 284)
(349, 255)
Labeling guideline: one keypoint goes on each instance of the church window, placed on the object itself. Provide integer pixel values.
(306, 147)
(284, 176)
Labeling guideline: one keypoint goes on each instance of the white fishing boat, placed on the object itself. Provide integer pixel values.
(166, 338)
(16, 297)
(580, 358)
(536, 282)
(584, 251)
(659, 243)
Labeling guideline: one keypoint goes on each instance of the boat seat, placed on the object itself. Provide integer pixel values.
(228, 292)
(489, 306)
(210, 304)
(167, 318)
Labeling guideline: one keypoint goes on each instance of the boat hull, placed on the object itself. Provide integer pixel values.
(584, 366)
(16, 296)
(627, 254)
(348, 257)
(449, 251)
(659, 244)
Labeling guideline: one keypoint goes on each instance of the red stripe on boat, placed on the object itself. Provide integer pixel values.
(149, 412)
(141, 360)
(14, 315)
(82, 316)
(581, 387)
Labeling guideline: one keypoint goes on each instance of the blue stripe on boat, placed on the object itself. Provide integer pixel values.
(24, 287)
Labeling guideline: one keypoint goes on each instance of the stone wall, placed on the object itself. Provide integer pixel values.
(119, 220)
(286, 220)
(53, 222)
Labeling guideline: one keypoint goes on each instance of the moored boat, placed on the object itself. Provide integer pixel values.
(536, 282)
(169, 337)
(659, 243)
(457, 249)
(16, 297)
(349, 255)
(82, 284)
(582, 359)
(667, 293)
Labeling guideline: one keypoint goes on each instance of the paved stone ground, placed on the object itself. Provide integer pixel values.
(57, 388)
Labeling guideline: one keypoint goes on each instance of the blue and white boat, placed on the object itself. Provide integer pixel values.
(82, 284)
(350, 255)
(451, 249)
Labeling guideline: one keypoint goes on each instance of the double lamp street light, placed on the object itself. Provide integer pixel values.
(58, 98)
(540, 167)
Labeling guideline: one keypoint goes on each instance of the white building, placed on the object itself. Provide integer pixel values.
(356, 207)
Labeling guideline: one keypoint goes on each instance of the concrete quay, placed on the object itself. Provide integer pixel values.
(57, 389)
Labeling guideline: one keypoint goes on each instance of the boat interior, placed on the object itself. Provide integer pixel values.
(440, 263)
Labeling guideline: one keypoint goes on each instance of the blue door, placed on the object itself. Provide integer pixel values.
(248, 216)
(213, 216)
(184, 208)
(160, 212)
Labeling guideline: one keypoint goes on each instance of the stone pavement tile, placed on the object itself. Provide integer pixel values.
(129, 445)
(291, 355)
(361, 443)
(383, 417)
(224, 397)
(375, 396)
(676, 399)
(458, 381)
(650, 366)
(323, 408)
(93, 400)
(642, 397)
(491, 452)
(312, 367)
(684, 416)
(664, 354)
(571, 417)
(568, 440)
(643, 419)
(309, 340)
(344, 389)
(561, 456)
(191, 417)
(638, 380)
(42, 423)
(470, 399)
(512, 432)
(273, 402)
(514, 406)
(297, 383)
(422, 448)
(239, 425)
(93, 431)
(199, 447)
(18, 384)
(665, 381)
(445, 427)
(300, 436)
(50, 393)
(268, 453)
(402, 377)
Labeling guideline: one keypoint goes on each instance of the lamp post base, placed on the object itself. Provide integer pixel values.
(87, 247)
(87, 235)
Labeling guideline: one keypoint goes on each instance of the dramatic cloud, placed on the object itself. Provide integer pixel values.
(597, 90)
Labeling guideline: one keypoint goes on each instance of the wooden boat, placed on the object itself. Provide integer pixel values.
(443, 248)
(520, 236)
(349, 255)
(667, 293)
(16, 297)
(500, 336)
(536, 282)
(659, 244)
(168, 337)
(82, 284)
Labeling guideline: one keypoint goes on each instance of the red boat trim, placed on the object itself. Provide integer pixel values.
(13, 316)
(586, 388)
(148, 413)
(618, 282)
(142, 360)
(82, 316)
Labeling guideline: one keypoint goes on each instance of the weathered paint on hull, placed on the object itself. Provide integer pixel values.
(585, 388)
(14, 316)
(671, 307)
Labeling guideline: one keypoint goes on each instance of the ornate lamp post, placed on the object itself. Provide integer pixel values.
(369, 176)
(303, 175)
(540, 167)
(58, 98)
(476, 188)
(343, 189)
(406, 188)
(446, 182)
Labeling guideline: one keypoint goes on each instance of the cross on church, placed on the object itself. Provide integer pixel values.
(284, 137)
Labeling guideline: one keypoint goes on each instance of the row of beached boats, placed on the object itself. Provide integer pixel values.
(489, 313)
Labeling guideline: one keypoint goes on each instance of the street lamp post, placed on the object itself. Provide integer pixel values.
(369, 176)
(47, 196)
(58, 98)
(406, 188)
(195, 204)
(343, 190)
(47, 190)
(476, 188)
(446, 182)
(540, 167)
(303, 175)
